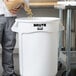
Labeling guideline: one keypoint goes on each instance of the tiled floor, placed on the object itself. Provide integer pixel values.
(16, 64)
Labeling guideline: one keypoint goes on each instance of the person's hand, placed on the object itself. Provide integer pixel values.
(14, 10)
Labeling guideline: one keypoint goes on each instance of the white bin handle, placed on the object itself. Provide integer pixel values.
(15, 27)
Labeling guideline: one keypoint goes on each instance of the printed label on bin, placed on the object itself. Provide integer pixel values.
(39, 26)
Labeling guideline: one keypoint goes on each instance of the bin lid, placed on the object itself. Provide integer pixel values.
(37, 24)
(37, 19)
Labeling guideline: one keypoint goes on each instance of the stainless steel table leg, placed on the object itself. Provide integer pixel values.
(68, 40)
(60, 33)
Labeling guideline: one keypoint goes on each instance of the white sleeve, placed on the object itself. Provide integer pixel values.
(1, 7)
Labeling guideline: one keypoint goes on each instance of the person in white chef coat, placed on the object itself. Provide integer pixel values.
(7, 39)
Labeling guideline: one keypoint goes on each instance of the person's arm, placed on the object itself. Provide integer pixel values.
(7, 3)
(10, 7)
(14, 11)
